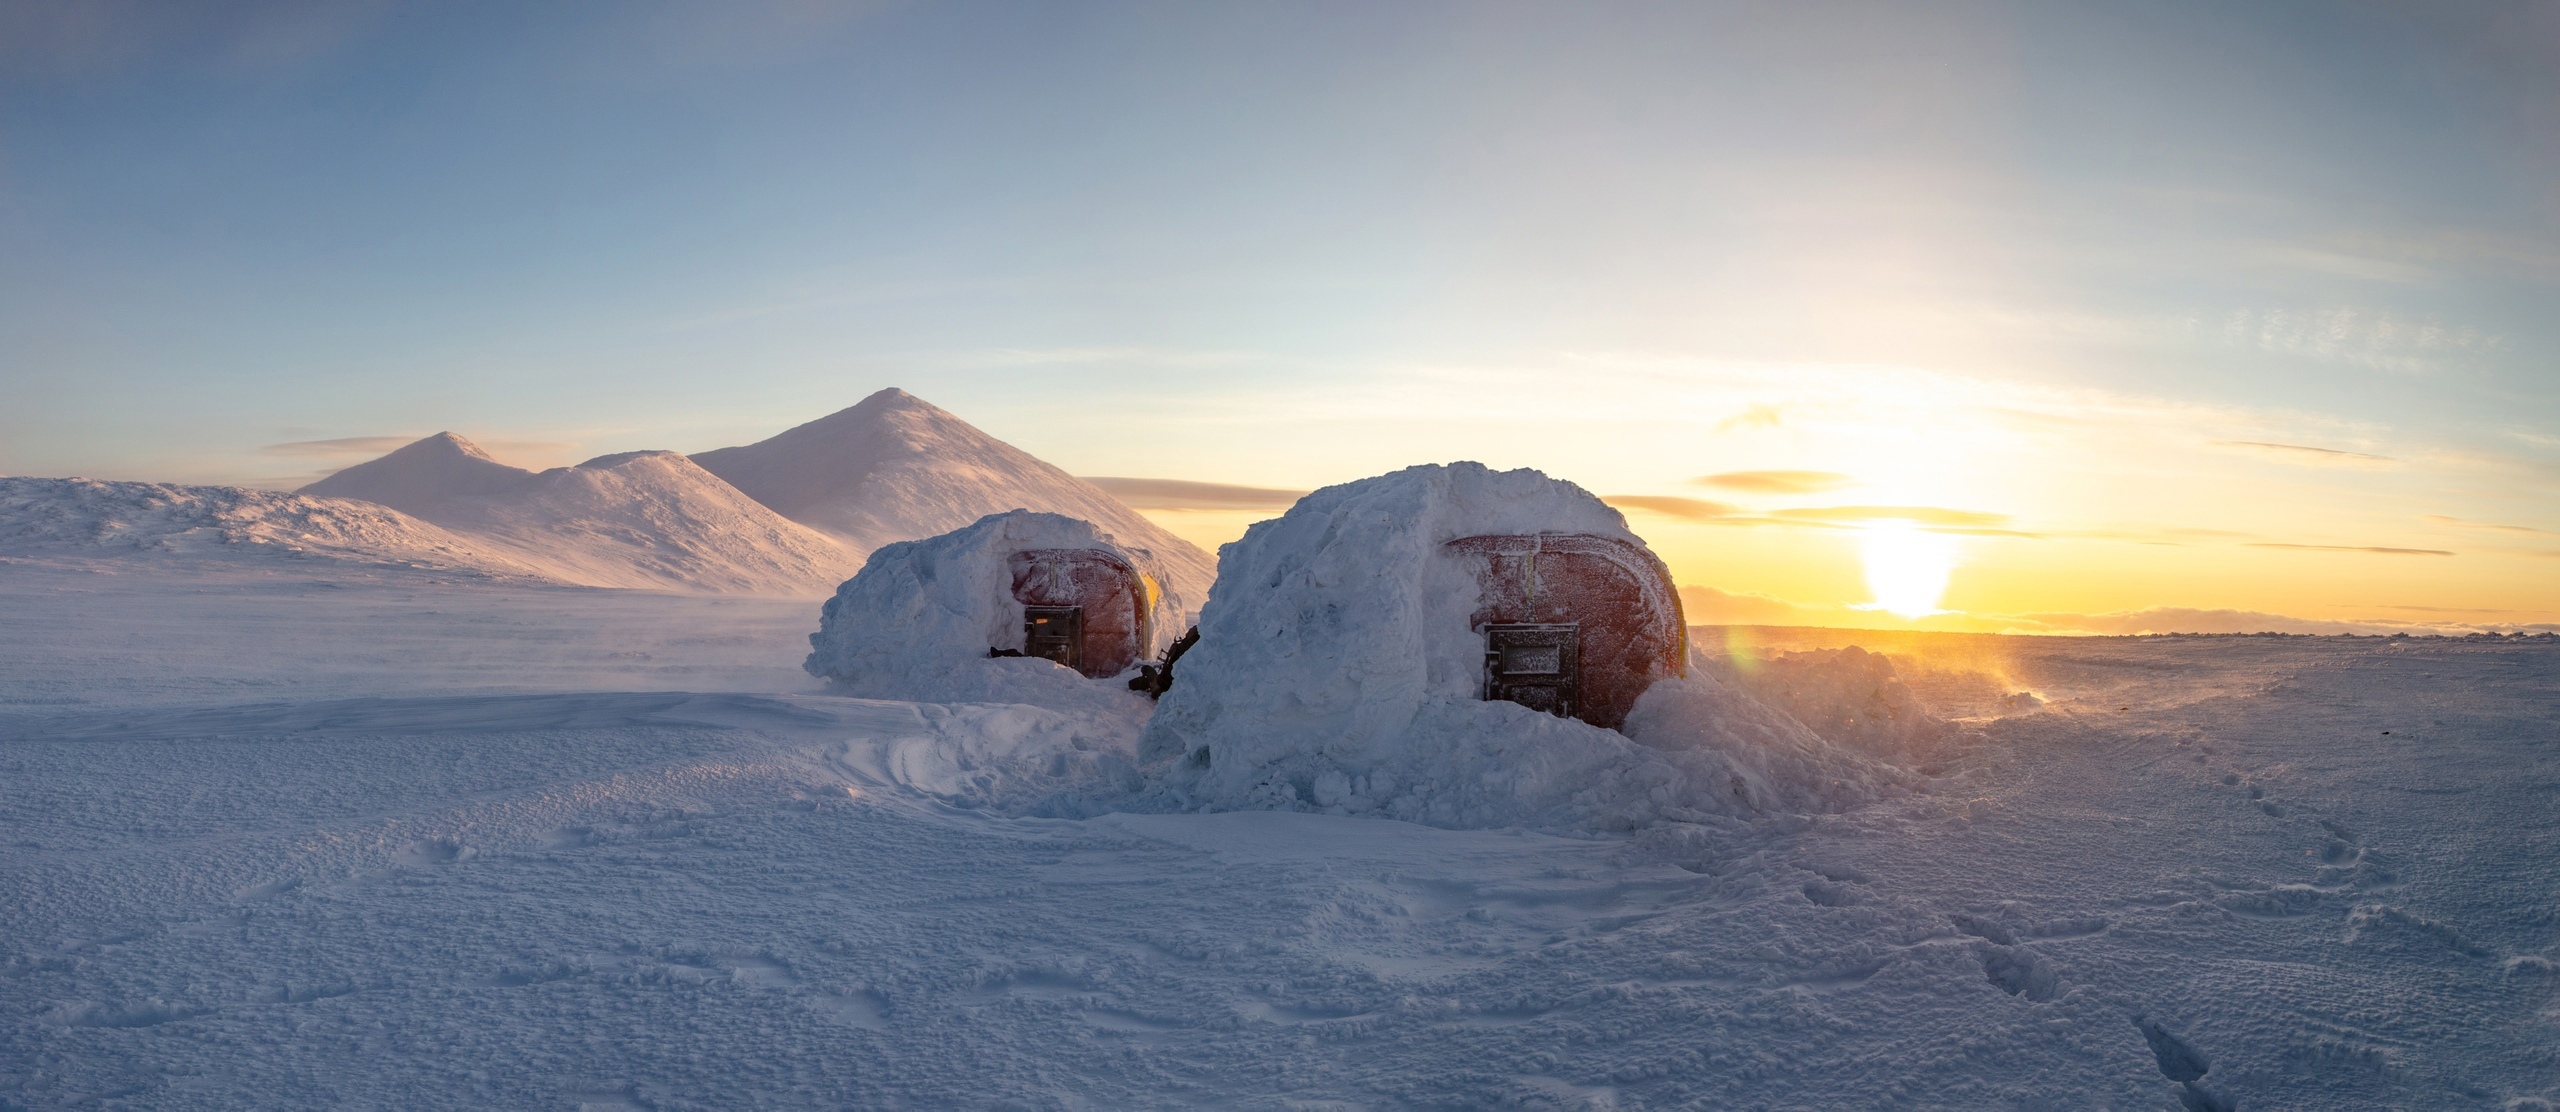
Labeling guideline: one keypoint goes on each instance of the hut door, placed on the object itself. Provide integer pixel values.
(1537, 665)
(1099, 611)
(1617, 598)
(1054, 633)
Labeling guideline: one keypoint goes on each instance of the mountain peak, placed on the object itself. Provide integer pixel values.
(443, 444)
(421, 473)
(894, 467)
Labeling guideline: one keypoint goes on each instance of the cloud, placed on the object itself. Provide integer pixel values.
(2377, 549)
(1182, 494)
(1691, 509)
(342, 446)
(1776, 482)
(1922, 515)
(2179, 619)
(2441, 519)
(2300, 453)
(1756, 417)
(1707, 606)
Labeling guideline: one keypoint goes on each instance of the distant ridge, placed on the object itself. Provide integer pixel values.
(894, 467)
(792, 515)
(225, 525)
(649, 520)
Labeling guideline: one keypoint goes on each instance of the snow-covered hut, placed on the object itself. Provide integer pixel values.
(991, 611)
(1445, 644)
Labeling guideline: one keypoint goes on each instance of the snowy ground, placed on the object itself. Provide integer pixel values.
(397, 841)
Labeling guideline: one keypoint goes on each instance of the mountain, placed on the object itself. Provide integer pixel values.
(426, 473)
(650, 520)
(895, 467)
(81, 517)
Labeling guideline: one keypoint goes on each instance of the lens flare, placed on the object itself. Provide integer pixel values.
(1907, 567)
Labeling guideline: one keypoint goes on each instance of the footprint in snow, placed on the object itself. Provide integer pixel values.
(2181, 1062)
(434, 851)
(2021, 972)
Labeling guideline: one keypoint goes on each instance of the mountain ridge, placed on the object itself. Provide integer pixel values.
(651, 520)
(894, 467)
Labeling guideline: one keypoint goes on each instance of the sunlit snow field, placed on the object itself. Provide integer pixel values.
(393, 840)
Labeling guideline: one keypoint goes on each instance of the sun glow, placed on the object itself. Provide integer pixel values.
(1907, 567)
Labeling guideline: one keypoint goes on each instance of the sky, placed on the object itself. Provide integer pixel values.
(2123, 309)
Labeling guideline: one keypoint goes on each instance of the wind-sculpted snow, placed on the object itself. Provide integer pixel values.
(920, 618)
(1337, 672)
(649, 520)
(1849, 696)
(83, 517)
(281, 844)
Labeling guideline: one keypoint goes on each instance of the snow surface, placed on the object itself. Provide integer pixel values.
(895, 468)
(398, 838)
(649, 520)
(917, 622)
(1336, 671)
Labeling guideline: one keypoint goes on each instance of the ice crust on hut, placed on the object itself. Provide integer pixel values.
(920, 618)
(1337, 671)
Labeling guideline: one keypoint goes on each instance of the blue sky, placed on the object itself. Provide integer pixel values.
(1293, 244)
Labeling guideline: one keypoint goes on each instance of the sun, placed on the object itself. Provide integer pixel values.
(1907, 567)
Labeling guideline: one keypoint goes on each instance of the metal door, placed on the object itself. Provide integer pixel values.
(1054, 632)
(1537, 665)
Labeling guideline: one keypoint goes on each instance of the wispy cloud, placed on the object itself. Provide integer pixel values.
(1756, 417)
(346, 446)
(2304, 453)
(1776, 482)
(1922, 515)
(342, 446)
(1134, 356)
(1689, 509)
(1183, 494)
(2357, 336)
(2441, 519)
(1709, 606)
(2382, 550)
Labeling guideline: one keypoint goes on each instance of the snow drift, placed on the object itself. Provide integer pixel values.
(649, 520)
(918, 620)
(1336, 671)
(81, 516)
(896, 468)
(1849, 696)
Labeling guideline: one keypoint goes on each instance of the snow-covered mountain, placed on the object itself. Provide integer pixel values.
(84, 517)
(791, 515)
(895, 467)
(651, 520)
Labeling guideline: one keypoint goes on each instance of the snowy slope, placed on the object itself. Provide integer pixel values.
(2235, 873)
(651, 520)
(895, 468)
(85, 517)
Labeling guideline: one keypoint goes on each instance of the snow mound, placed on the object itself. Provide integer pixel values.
(896, 468)
(918, 620)
(1336, 671)
(80, 516)
(647, 520)
(1008, 757)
